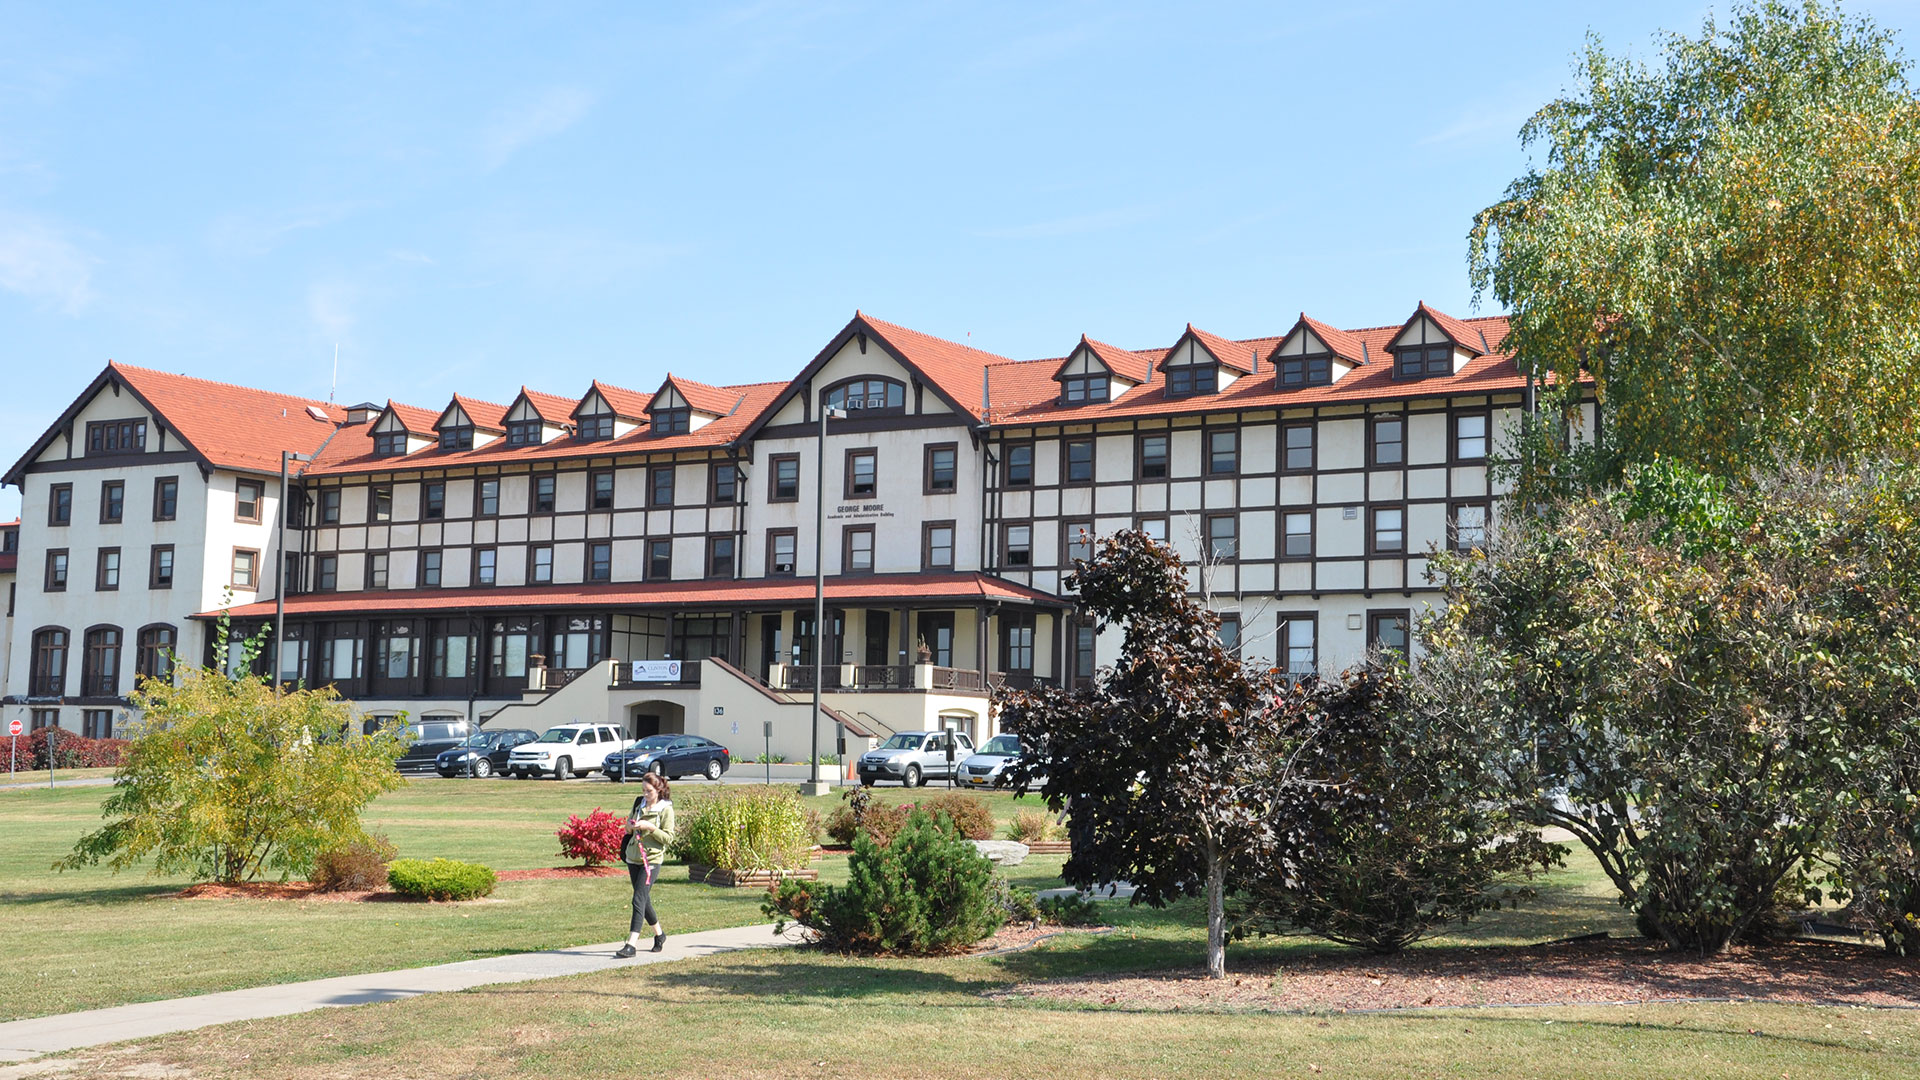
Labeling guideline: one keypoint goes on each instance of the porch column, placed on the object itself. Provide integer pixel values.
(1059, 673)
(980, 644)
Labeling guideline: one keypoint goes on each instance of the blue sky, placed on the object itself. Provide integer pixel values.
(472, 197)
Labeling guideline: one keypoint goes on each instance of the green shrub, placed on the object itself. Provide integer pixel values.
(439, 879)
(740, 828)
(876, 819)
(359, 866)
(969, 813)
(928, 892)
(1017, 901)
(1033, 826)
(1075, 910)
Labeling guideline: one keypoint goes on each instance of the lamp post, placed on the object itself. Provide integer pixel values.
(280, 574)
(815, 784)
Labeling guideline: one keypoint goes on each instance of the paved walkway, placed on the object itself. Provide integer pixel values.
(85, 781)
(23, 1039)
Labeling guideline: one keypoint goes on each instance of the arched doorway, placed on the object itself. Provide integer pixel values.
(655, 718)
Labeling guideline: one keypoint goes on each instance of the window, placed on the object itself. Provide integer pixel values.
(660, 485)
(166, 498)
(869, 395)
(113, 502)
(1298, 371)
(247, 496)
(1223, 453)
(863, 468)
(1297, 533)
(330, 506)
(430, 563)
(1387, 631)
(1076, 539)
(326, 573)
(44, 718)
(723, 483)
(1468, 527)
(294, 660)
(1296, 448)
(451, 655)
(574, 644)
(1019, 464)
(600, 561)
(942, 468)
(856, 549)
(485, 566)
(543, 487)
(1190, 379)
(1223, 536)
(100, 667)
(389, 443)
(1470, 437)
(1155, 529)
(1084, 658)
(1076, 463)
(1084, 389)
(116, 437)
(341, 654)
(523, 433)
(433, 499)
(160, 567)
(1389, 529)
(936, 545)
(719, 556)
(96, 723)
(106, 574)
(540, 564)
(1019, 545)
(659, 560)
(596, 428)
(154, 658)
(60, 504)
(1300, 653)
(1389, 440)
(1016, 643)
(671, 421)
(395, 655)
(456, 438)
(56, 570)
(781, 546)
(377, 569)
(1422, 361)
(510, 642)
(49, 663)
(1229, 633)
(246, 569)
(600, 490)
(1153, 457)
(486, 498)
(380, 502)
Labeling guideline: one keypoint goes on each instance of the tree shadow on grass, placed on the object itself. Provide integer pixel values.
(98, 896)
(781, 982)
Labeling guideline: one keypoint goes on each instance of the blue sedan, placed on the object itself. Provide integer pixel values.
(672, 756)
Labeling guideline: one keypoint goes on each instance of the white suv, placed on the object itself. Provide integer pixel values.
(567, 750)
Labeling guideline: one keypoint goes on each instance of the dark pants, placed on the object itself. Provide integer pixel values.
(643, 916)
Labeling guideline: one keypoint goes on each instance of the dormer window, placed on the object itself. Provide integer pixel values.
(523, 433)
(456, 438)
(596, 428)
(1420, 362)
(1298, 371)
(1190, 379)
(1085, 389)
(389, 443)
(672, 421)
(870, 395)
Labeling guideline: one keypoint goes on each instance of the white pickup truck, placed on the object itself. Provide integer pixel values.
(566, 750)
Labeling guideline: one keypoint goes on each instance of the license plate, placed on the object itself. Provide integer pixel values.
(979, 780)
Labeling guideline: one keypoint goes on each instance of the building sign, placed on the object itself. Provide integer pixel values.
(655, 670)
(858, 511)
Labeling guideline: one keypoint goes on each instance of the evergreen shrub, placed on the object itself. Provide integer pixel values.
(440, 879)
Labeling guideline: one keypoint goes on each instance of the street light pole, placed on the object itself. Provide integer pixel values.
(816, 785)
(280, 573)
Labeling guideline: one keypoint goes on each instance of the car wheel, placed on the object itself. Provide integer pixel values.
(912, 779)
(563, 768)
(482, 769)
(866, 781)
(657, 769)
(713, 768)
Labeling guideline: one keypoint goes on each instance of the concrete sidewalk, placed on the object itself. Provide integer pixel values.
(23, 1039)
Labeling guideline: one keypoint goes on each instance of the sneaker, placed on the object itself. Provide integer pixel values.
(628, 950)
(659, 942)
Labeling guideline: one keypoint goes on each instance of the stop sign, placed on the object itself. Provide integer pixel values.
(13, 727)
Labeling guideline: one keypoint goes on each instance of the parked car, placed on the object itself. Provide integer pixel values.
(912, 757)
(430, 738)
(672, 756)
(988, 767)
(566, 750)
(483, 754)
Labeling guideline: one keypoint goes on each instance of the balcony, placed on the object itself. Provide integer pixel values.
(640, 674)
(885, 678)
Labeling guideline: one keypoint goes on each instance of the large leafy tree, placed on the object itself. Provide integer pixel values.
(1725, 242)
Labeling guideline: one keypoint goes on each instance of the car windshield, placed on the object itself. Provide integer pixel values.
(1002, 746)
(903, 741)
(485, 738)
(559, 734)
(655, 742)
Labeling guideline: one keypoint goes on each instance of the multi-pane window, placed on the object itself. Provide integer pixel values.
(433, 499)
(1229, 633)
(247, 497)
(600, 561)
(1077, 462)
(60, 504)
(1190, 379)
(326, 573)
(596, 428)
(154, 658)
(106, 576)
(1084, 657)
(1389, 529)
(430, 564)
(377, 569)
(1297, 534)
(723, 482)
(41, 719)
(486, 498)
(600, 490)
(1389, 440)
(486, 568)
(660, 485)
(869, 395)
(1020, 464)
(1469, 526)
(671, 421)
(1300, 653)
(166, 498)
(1298, 371)
(96, 723)
(863, 474)
(341, 654)
(1155, 529)
(100, 666)
(1387, 631)
(246, 568)
(1153, 457)
(389, 443)
(395, 653)
(939, 545)
(160, 567)
(456, 438)
(782, 545)
(451, 654)
(1223, 536)
(1084, 389)
(116, 436)
(49, 677)
(720, 556)
(523, 433)
(113, 502)
(1296, 447)
(1223, 452)
(1079, 540)
(1019, 545)
(784, 478)
(1016, 643)
(857, 550)
(56, 569)
(942, 472)
(380, 502)
(1470, 437)
(543, 493)
(659, 560)
(540, 564)
(330, 506)
(1421, 361)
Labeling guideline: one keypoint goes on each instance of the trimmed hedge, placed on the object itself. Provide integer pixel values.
(440, 879)
(70, 751)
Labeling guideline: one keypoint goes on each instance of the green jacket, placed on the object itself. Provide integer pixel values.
(651, 841)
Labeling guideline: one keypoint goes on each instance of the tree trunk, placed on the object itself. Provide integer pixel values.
(1216, 914)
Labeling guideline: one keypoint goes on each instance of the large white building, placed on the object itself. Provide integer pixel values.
(518, 560)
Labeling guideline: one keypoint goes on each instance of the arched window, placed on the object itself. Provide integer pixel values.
(155, 658)
(49, 663)
(871, 395)
(100, 668)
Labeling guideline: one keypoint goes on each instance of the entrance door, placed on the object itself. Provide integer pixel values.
(770, 643)
(936, 630)
(645, 724)
(879, 629)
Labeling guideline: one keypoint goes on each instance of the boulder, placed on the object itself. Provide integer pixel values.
(1002, 852)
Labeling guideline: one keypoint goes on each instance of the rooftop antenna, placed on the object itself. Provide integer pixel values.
(335, 384)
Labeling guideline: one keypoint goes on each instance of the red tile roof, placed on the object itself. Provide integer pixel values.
(485, 415)
(1129, 365)
(233, 427)
(1241, 356)
(416, 420)
(1462, 333)
(963, 588)
(630, 404)
(1345, 344)
(702, 398)
(957, 369)
(552, 408)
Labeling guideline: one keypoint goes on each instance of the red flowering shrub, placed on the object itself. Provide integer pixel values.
(70, 751)
(594, 839)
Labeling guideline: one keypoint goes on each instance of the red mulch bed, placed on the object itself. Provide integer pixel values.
(561, 872)
(1594, 972)
(307, 890)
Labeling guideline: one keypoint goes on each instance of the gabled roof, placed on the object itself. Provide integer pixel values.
(552, 408)
(1241, 356)
(1345, 345)
(628, 404)
(1457, 331)
(416, 420)
(1131, 366)
(485, 415)
(225, 426)
(701, 398)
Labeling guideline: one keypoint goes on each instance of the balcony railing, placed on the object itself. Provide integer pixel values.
(628, 675)
(952, 678)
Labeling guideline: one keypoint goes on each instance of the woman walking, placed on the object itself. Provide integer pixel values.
(649, 831)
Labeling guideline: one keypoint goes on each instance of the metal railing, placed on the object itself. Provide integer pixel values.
(689, 676)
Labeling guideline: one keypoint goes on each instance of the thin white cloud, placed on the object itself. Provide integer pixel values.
(39, 262)
(547, 115)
